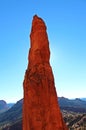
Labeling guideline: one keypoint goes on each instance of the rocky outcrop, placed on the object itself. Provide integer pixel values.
(40, 107)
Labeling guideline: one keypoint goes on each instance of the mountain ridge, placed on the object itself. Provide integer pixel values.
(75, 105)
(12, 118)
(3, 106)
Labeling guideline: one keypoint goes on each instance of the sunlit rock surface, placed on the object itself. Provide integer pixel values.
(40, 107)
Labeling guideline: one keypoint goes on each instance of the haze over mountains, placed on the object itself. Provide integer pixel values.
(84, 99)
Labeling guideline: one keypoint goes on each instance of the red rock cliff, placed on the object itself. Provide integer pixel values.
(40, 107)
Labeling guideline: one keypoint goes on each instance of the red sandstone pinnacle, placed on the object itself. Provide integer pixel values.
(40, 107)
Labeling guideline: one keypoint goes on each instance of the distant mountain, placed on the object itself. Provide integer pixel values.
(12, 119)
(84, 99)
(13, 114)
(75, 105)
(3, 106)
(10, 105)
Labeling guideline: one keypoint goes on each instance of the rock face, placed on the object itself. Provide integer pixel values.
(40, 107)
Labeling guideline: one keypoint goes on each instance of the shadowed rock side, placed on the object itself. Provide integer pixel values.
(40, 108)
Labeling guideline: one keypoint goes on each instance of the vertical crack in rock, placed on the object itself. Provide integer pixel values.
(40, 107)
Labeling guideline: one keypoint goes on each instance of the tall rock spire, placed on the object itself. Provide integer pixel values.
(40, 107)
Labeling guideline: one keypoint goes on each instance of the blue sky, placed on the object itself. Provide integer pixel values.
(66, 27)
